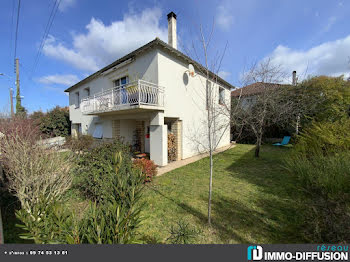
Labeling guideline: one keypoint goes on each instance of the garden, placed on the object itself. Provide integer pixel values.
(97, 194)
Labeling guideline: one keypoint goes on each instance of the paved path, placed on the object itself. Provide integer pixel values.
(180, 163)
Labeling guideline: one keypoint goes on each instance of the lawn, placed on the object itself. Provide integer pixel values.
(254, 200)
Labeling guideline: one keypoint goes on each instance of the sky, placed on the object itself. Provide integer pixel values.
(311, 37)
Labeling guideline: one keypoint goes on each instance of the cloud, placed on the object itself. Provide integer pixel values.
(103, 44)
(64, 4)
(330, 58)
(75, 58)
(224, 17)
(331, 21)
(224, 74)
(66, 80)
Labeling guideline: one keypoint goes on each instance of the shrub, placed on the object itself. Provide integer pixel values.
(326, 183)
(95, 174)
(37, 117)
(80, 143)
(147, 167)
(56, 122)
(321, 163)
(182, 233)
(24, 128)
(111, 223)
(32, 170)
(112, 218)
(323, 98)
(36, 176)
(324, 138)
(47, 223)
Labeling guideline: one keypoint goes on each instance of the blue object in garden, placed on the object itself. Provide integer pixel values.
(284, 142)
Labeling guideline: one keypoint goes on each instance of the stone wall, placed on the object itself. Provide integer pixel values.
(176, 129)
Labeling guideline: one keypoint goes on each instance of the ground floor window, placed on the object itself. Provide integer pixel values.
(98, 132)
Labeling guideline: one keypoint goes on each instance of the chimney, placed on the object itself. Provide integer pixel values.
(172, 30)
(294, 81)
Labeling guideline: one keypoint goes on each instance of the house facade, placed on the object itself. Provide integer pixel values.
(146, 95)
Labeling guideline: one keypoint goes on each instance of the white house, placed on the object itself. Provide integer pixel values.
(147, 94)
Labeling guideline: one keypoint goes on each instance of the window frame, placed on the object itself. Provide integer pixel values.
(77, 99)
(119, 81)
(221, 97)
(88, 91)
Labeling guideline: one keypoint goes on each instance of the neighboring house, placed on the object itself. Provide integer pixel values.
(249, 93)
(143, 96)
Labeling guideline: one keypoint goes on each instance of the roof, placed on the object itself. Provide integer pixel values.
(254, 89)
(154, 43)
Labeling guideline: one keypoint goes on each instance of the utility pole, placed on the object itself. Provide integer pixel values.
(20, 110)
(11, 101)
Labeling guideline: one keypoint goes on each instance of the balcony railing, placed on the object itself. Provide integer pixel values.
(135, 94)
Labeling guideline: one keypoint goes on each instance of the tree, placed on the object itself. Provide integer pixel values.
(268, 105)
(214, 124)
(56, 122)
(322, 98)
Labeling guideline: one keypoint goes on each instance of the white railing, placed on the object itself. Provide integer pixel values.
(133, 94)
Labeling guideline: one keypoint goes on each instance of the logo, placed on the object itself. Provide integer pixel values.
(254, 253)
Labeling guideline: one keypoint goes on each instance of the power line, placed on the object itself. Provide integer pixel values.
(13, 15)
(16, 35)
(46, 32)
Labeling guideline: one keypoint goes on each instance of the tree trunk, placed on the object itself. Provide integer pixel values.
(1, 230)
(257, 148)
(210, 186)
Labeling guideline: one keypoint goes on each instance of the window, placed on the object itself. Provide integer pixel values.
(77, 100)
(98, 132)
(87, 91)
(221, 96)
(121, 81)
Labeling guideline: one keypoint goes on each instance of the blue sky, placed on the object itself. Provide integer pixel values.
(312, 37)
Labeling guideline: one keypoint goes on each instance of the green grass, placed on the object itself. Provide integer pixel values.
(254, 200)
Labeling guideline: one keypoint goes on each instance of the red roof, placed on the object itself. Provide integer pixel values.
(253, 89)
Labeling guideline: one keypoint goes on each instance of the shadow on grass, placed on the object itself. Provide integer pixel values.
(267, 214)
(216, 224)
(278, 200)
(9, 205)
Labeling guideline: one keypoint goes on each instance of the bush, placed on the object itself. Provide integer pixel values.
(326, 183)
(95, 173)
(24, 128)
(80, 143)
(147, 167)
(47, 223)
(323, 99)
(32, 170)
(56, 122)
(321, 163)
(324, 138)
(104, 175)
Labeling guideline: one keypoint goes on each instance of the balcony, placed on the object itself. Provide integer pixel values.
(139, 94)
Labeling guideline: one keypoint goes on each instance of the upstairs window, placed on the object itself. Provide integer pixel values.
(77, 100)
(221, 96)
(121, 81)
(87, 91)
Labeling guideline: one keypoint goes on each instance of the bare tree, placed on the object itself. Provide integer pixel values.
(215, 124)
(266, 103)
